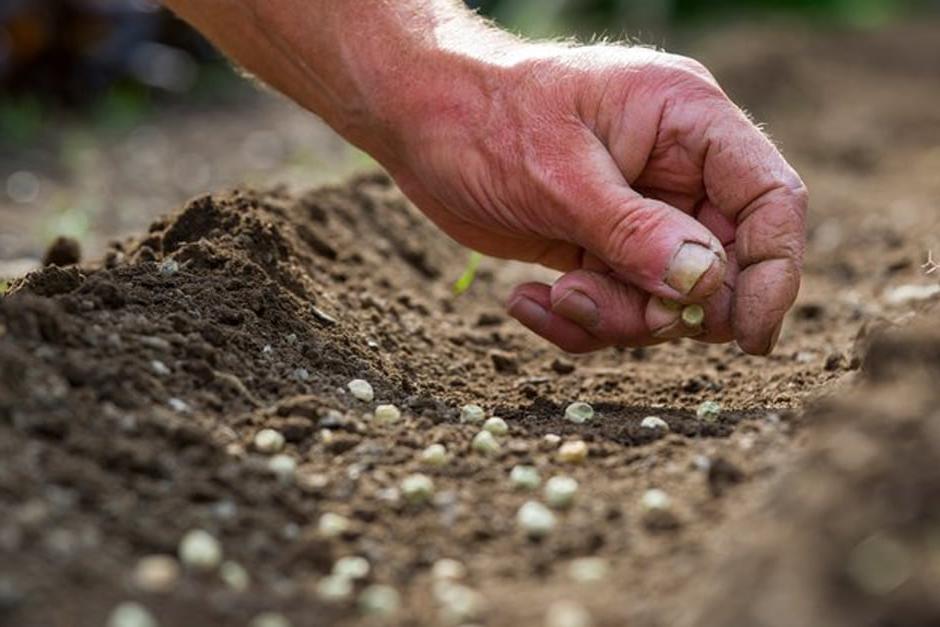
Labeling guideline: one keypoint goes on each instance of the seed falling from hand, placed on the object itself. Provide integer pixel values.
(693, 315)
(579, 413)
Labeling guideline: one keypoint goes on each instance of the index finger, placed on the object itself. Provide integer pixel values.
(750, 182)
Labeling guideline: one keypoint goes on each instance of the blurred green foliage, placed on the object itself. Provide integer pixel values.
(559, 17)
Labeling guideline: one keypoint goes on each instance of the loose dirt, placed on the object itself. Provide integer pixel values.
(131, 389)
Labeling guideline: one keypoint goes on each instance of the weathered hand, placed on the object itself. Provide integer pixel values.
(626, 168)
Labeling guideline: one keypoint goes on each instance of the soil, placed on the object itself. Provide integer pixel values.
(131, 389)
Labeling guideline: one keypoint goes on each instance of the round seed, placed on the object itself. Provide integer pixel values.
(234, 576)
(334, 588)
(535, 519)
(362, 390)
(351, 567)
(332, 525)
(560, 491)
(708, 410)
(379, 600)
(472, 414)
(446, 568)
(434, 455)
(283, 466)
(579, 413)
(417, 488)
(269, 441)
(573, 452)
(387, 414)
(693, 315)
(496, 426)
(485, 443)
(655, 423)
(130, 614)
(156, 573)
(524, 477)
(199, 550)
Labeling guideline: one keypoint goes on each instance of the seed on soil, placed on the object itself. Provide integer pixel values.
(567, 614)
(386, 414)
(551, 439)
(535, 519)
(573, 452)
(654, 423)
(199, 550)
(283, 466)
(159, 368)
(234, 576)
(579, 413)
(169, 267)
(156, 573)
(472, 414)
(588, 569)
(269, 441)
(379, 600)
(524, 477)
(362, 390)
(560, 491)
(708, 410)
(334, 588)
(178, 405)
(693, 315)
(332, 525)
(417, 488)
(496, 426)
(352, 567)
(458, 602)
(301, 375)
(270, 619)
(130, 614)
(450, 569)
(657, 509)
(434, 455)
(484, 442)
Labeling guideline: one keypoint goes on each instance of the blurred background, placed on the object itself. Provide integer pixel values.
(112, 111)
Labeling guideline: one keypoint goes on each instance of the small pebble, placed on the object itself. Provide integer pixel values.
(567, 614)
(560, 491)
(579, 413)
(234, 576)
(449, 569)
(130, 614)
(588, 569)
(655, 423)
(387, 414)
(380, 600)
(334, 588)
(573, 452)
(362, 390)
(156, 573)
(284, 466)
(417, 488)
(535, 519)
(332, 525)
(434, 455)
(270, 619)
(472, 414)
(496, 426)
(708, 410)
(524, 477)
(269, 441)
(485, 443)
(199, 550)
(352, 567)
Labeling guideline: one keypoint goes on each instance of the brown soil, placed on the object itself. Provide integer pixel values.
(130, 392)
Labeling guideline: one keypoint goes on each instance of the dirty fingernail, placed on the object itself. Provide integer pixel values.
(579, 308)
(663, 318)
(690, 263)
(774, 337)
(528, 312)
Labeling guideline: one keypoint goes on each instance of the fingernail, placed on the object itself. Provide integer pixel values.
(774, 337)
(689, 265)
(528, 312)
(664, 318)
(579, 308)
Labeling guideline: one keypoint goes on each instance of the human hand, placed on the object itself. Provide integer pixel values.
(634, 174)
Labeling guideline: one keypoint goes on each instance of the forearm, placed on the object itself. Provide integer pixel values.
(364, 65)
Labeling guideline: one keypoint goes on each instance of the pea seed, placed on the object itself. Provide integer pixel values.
(434, 455)
(417, 488)
(334, 588)
(387, 414)
(579, 413)
(484, 442)
(199, 550)
(269, 441)
(655, 423)
(379, 600)
(496, 426)
(693, 315)
(332, 525)
(352, 567)
(708, 410)
(535, 519)
(362, 390)
(524, 477)
(560, 491)
(283, 466)
(573, 452)
(130, 614)
(234, 576)
(472, 414)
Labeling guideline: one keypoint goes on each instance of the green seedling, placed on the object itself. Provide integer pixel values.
(469, 274)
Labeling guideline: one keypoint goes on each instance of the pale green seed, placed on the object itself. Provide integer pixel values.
(485, 443)
(693, 315)
(535, 519)
(352, 567)
(496, 426)
(379, 600)
(269, 441)
(131, 614)
(417, 488)
(708, 410)
(199, 550)
(362, 390)
(573, 452)
(524, 477)
(386, 414)
(472, 414)
(579, 412)
(434, 455)
(560, 491)
(332, 525)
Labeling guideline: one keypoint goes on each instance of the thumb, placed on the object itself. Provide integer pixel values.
(654, 246)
